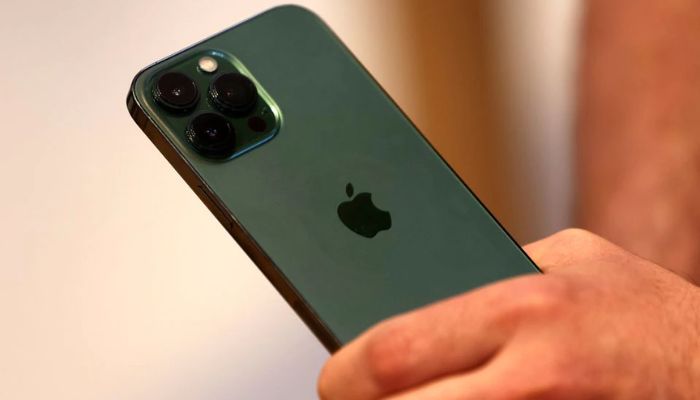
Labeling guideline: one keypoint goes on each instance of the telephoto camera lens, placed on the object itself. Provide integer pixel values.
(233, 93)
(211, 135)
(176, 91)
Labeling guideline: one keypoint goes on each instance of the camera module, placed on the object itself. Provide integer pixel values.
(211, 135)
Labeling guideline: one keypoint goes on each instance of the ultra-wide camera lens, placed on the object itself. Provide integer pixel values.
(234, 93)
(176, 91)
(212, 135)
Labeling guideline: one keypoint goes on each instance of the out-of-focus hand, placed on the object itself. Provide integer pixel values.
(600, 324)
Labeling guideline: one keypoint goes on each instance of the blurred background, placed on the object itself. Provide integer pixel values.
(117, 283)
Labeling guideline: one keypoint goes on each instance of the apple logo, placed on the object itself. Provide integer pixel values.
(361, 216)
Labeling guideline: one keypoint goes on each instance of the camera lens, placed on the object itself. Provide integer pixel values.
(234, 93)
(211, 135)
(176, 91)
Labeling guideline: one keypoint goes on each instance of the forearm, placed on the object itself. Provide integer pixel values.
(639, 129)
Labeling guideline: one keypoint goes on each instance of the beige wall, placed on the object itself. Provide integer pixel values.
(494, 82)
(115, 282)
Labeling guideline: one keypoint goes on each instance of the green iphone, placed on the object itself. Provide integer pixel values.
(318, 175)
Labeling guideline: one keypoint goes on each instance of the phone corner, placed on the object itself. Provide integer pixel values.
(133, 103)
(292, 10)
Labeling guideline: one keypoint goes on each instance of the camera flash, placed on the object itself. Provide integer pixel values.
(208, 64)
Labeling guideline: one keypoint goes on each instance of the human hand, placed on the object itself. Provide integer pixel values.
(600, 324)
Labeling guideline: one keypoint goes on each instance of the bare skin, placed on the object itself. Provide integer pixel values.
(639, 129)
(601, 323)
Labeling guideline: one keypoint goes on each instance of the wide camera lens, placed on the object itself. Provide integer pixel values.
(234, 93)
(212, 135)
(176, 91)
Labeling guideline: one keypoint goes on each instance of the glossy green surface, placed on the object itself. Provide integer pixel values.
(338, 126)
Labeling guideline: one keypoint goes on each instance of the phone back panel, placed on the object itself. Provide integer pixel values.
(339, 127)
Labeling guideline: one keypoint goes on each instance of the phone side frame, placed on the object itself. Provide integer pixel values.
(259, 257)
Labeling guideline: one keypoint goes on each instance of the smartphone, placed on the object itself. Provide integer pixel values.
(318, 175)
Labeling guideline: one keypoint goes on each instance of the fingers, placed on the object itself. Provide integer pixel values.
(522, 370)
(482, 384)
(453, 336)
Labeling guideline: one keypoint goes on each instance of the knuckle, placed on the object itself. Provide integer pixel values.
(559, 378)
(593, 248)
(546, 298)
(554, 386)
(577, 246)
(576, 233)
(582, 239)
(388, 355)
